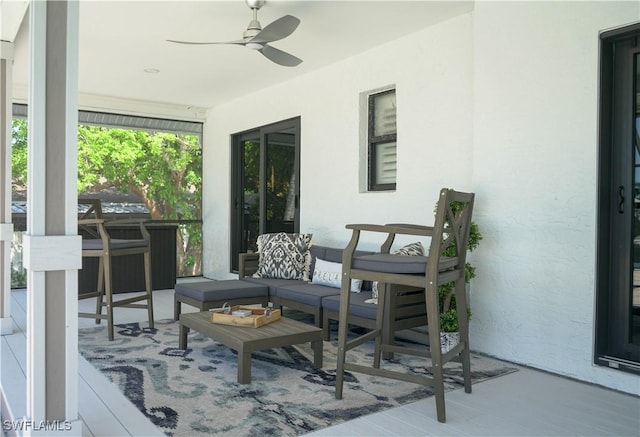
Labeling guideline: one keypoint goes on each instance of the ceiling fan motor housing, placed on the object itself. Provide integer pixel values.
(255, 4)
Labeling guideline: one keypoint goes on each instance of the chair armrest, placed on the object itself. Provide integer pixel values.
(90, 221)
(394, 228)
(139, 222)
(410, 229)
(391, 230)
(248, 264)
(93, 225)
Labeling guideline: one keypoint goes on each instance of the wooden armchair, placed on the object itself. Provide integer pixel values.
(428, 273)
(96, 242)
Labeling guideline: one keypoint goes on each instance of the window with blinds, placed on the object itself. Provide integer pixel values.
(382, 141)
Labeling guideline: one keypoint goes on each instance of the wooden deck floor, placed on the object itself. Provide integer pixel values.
(524, 403)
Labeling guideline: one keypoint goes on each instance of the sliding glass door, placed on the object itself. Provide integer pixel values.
(265, 189)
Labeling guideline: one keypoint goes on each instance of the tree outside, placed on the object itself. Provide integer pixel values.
(163, 170)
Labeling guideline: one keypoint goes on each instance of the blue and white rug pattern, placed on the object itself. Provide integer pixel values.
(194, 392)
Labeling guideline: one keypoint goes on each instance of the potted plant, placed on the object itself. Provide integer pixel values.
(449, 335)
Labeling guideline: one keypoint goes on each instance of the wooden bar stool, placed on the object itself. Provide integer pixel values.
(97, 243)
(451, 230)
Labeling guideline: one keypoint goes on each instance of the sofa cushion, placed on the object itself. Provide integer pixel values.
(326, 253)
(284, 256)
(210, 291)
(357, 305)
(271, 283)
(308, 294)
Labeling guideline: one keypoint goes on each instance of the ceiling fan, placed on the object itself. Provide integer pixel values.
(257, 38)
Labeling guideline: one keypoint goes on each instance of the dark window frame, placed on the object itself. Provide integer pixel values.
(613, 250)
(260, 133)
(373, 141)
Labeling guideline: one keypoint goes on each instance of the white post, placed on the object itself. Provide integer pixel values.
(6, 227)
(52, 246)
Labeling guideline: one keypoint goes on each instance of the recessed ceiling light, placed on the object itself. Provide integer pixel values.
(151, 70)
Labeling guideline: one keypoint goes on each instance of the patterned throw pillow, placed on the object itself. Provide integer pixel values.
(284, 256)
(330, 274)
(412, 249)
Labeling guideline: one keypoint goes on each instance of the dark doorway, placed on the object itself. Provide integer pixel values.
(618, 268)
(265, 189)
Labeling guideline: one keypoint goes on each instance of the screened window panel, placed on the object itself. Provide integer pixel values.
(386, 163)
(384, 118)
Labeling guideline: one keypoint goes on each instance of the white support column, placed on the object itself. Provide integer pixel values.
(52, 246)
(6, 227)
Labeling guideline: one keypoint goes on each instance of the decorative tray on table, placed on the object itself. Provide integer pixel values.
(240, 315)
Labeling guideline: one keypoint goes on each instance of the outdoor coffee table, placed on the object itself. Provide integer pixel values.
(244, 340)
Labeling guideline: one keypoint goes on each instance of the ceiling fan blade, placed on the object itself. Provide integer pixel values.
(280, 57)
(240, 41)
(281, 28)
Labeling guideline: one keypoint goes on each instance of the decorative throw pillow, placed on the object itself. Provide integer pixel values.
(412, 249)
(284, 256)
(330, 274)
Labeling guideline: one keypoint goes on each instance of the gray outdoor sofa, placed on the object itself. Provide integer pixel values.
(407, 306)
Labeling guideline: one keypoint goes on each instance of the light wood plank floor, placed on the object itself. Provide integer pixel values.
(524, 403)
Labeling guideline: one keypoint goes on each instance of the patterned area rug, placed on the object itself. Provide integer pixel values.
(194, 392)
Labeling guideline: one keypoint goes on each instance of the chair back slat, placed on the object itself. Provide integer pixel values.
(94, 211)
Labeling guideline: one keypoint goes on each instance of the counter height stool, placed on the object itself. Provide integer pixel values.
(97, 243)
(449, 233)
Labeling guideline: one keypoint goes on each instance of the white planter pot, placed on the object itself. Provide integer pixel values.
(448, 340)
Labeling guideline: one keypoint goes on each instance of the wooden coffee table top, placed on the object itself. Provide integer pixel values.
(244, 339)
(285, 329)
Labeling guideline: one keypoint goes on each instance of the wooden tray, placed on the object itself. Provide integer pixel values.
(255, 320)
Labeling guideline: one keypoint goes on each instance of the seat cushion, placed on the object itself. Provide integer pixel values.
(357, 305)
(387, 263)
(308, 294)
(211, 291)
(96, 244)
(270, 283)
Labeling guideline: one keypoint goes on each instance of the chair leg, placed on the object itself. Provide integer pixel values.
(108, 286)
(463, 322)
(431, 298)
(326, 325)
(177, 308)
(100, 289)
(147, 281)
(389, 315)
(383, 292)
(343, 324)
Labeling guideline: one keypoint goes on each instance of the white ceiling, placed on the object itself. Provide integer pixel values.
(120, 39)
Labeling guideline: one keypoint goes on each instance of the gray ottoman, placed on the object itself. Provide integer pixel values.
(213, 294)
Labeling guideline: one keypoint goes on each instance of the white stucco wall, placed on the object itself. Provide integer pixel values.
(535, 165)
(434, 122)
(506, 94)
